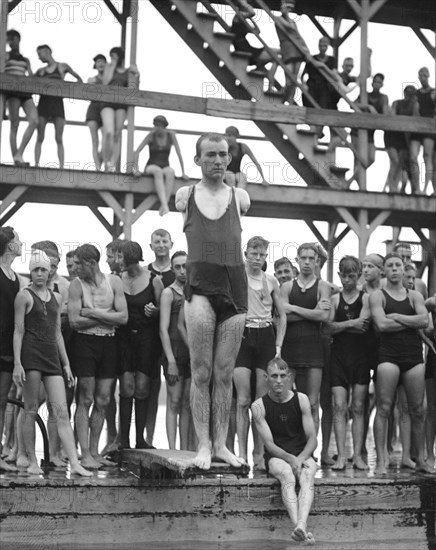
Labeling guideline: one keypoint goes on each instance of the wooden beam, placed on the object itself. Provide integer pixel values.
(379, 220)
(12, 197)
(319, 26)
(12, 211)
(246, 110)
(317, 233)
(431, 49)
(375, 7)
(114, 11)
(426, 243)
(348, 33)
(348, 218)
(354, 5)
(112, 202)
(101, 218)
(13, 4)
(343, 234)
(3, 29)
(145, 205)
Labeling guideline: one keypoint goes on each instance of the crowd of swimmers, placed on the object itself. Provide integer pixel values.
(320, 77)
(231, 338)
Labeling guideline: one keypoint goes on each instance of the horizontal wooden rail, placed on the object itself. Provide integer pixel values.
(221, 107)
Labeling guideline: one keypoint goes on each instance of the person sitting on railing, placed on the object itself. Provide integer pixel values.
(93, 113)
(234, 175)
(397, 144)
(427, 108)
(18, 65)
(50, 108)
(376, 103)
(113, 115)
(321, 91)
(259, 56)
(160, 141)
(291, 55)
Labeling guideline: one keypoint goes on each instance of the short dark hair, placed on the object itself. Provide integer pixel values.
(350, 264)
(87, 252)
(177, 255)
(120, 53)
(44, 46)
(12, 33)
(310, 246)
(402, 245)
(49, 247)
(256, 242)
(132, 253)
(392, 255)
(115, 245)
(70, 254)
(379, 75)
(282, 261)
(279, 363)
(410, 267)
(211, 136)
(6, 236)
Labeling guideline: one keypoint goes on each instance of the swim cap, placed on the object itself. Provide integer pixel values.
(39, 259)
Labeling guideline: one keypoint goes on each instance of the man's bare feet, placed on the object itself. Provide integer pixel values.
(57, 462)
(34, 469)
(359, 463)
(326, 460)
(408, 463)
(424, 468)
(104, 461)
(203, 458)
(111, 447)
(299, 533)
(226, 456)
(22, 461)
(380, 469)
(80, 470)
(5, 467)
(11, 456)
(430, 461)
(340, 463)
(90, 463)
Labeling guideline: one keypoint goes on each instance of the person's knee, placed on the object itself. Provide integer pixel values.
(85, 400)
(384, 407)
(243, 403)
(416, 410)
(142, 392)
(102, 400)
(357, 407)
(175, 404)
(127, 391)
(200, 374)
(14, 122)
(340, 408)
(33, 121)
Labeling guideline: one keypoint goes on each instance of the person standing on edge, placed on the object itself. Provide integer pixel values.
(96, 305)
(216, 294)
(50, 108)
(398, 313)
(10, 248)
(18, 65)
(93, 115)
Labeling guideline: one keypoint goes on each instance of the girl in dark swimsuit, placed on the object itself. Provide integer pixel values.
(160, 141)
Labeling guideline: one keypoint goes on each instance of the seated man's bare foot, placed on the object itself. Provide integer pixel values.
(424, 468)
(90, 463)
(5, 467)
(203, 459)
(105, 461)
(34, 469)
(310, 539)
(326, 460)
(226, 456)
(80, 470)
(408, 463)
(380, 470)
(359, 463)
(22, 461)
(339, 464)
(57, 462)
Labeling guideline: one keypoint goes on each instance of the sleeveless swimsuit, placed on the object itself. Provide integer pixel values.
(51, 107)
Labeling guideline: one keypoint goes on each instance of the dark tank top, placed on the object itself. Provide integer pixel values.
(8, 290)
(167, 277)
(235, 163)
(403, 340)
(135, 308)
(55, 75)
(348, 340)
(40, 341)
(160, 154)
(308, 300)
(119, 79)
(285, 423)
(215, 266)
(427, 104)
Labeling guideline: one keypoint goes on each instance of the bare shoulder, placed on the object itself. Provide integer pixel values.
(115, 282)
(258, 408)
(182, 196)
(304, 401)
(243, 200)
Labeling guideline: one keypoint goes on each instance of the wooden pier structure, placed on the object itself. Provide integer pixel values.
(126, 507)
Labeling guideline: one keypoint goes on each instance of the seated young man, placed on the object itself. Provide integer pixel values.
(284, 422)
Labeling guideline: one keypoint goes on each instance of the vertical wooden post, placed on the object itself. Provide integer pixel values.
(131, 110)
(363, 232)
(128, 212)
(3, 29)
(330, 249)
(363, 134)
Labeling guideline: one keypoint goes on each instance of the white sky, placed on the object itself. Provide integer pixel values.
(78, 30)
